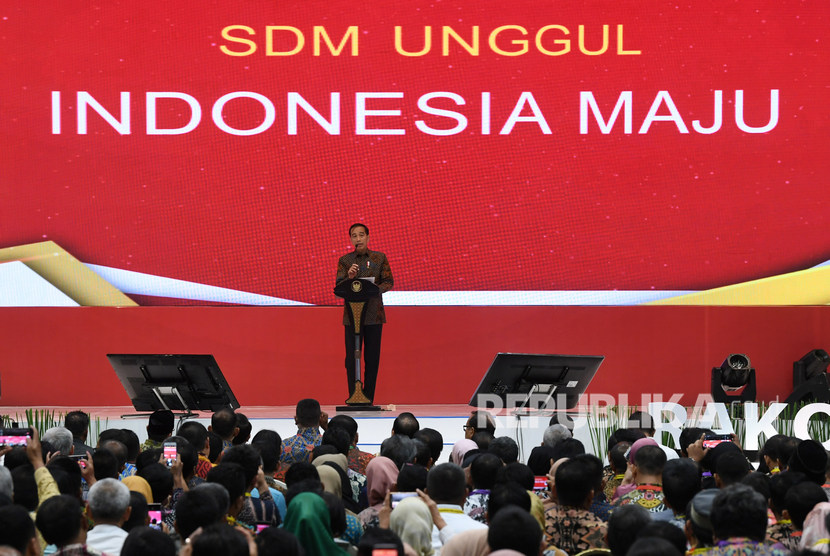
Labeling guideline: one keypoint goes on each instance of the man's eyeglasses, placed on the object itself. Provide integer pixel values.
(468, 427)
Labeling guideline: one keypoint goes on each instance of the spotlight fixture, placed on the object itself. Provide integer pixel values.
(810, 378)
(734, 380)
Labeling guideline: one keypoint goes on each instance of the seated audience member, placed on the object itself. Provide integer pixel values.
(270, 457)
(298, 447)
(117, 449)
(666, 531)
(483, 440)
(483, 472)
(196, 433)
(299, 472)
(262, 509)
(232, 477)
(760, 483)
(219, 494)
(809, 458)
(412, 478)
(223, 423)
(600, 506)
(399, 448)
(569, 525)
(339, 438)
(647, 474)
(681, 481)
(435, 441)
(567, 448)
(133, 449)
(699, 520)
(105, 465)
(739, 523)
(376, 536)
(539, 460)
(6, 482)
(731, 468)
(25, 487)
(62, 523)
(799, 502)
(243, 434)
(215, 442)
(554, 433)
(159, 427)
(479, 421)
(381, 476)
(782, 530)
(460, 449)
(78, 424)
(67, 475)
(689, 436)
(616, 469)
(221, 540)
(145, 540)
(506, 448)
(161, 482)
(197, 508)
(513, 528)
(447, 486)
(423, 455)
(623, 526)
(521, 474)
(18, 530)
(406, 424)
(358, 460)
(309, 520)
(276, 541)
(61, 440)
(332, 469)
(774, 454)
(653, 546)
(109, 507)
(411, 520)
(345, 526)
(139, 512)
(816, 534)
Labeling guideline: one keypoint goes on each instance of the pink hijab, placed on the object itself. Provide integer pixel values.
(381, 475)
(815, 534)
(460, 448)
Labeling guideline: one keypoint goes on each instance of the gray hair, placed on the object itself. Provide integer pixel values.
(6, 484)
(60, 438)
(554, 434)
(108, 500)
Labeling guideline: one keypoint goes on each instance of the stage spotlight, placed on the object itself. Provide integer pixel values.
(734, 380)
(810, 378)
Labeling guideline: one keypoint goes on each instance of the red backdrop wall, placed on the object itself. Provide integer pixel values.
(274, 355)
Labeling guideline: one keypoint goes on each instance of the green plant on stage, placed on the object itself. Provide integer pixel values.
(96, 426)
(6, 421)
(42, 419)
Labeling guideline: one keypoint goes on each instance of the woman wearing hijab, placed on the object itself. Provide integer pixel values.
(816, 537)
(332, 484)
(308, 519)
(381, 475)
(412, 521)
(460, 448)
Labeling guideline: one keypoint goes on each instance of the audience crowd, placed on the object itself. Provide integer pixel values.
(226, 492)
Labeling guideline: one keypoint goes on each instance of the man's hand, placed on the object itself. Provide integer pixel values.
(385, 512)
(88, 471)
(34, 450)
(353, 270)
(696, 450)
(437, 518)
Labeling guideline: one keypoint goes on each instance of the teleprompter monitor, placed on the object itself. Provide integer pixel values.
(535, 381)
(175, 382)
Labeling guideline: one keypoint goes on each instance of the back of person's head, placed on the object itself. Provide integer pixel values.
(60, 438)
(505, 448)
(269, 453)
(67, 474)
(641, 421)
(731, 468)
(314, 486)
(481, 421)
(105, 464)
(108, 500)
(277, 541)
(760, 483)
(345, 422)
(337, 513)
(434, 440)
(133, 445)
(513, 528)
(147, 457)
(503, 495)
(160, 480)
(339, 438)
(594, 465)
(6, 482)
(15, 458)
(245, 427)
(567, 448)
(138, 512)
(197, 508)
(809, 458)
(412, 477)
(219, 540)
(539, 459)
(623, 525)
(323, 450)
(423, 456)
(18, 530)
(215, 446)
(555, 433)
(219, 494)
(655, 546)
(269, 436)
(223, 422)
(146, 540)
(650, 460)
(483, 440)
(484, 470)
(308, 413)
(666, 531)
(116, 448)
(194, 432)
(517, 473)
(301, 471)
(780, 483)
(739, 511)
(800, 501)
(59, 520)
(399, 448)
(25, 487)
(575, 482)
(112, 434)
(699, 516)
(232, 477)
(375, 537)
(406, 424)
(625, 435)
(447, 484)
(78, 424)
(681, 481)
(616, 457)
(246, 456)
(160, 424)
